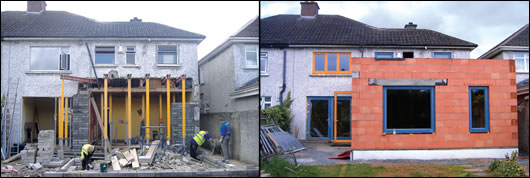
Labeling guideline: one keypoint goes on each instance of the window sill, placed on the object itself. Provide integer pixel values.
(523, 72)
(48, 72)
(131, 66)
(329, 75)
(168, 65)
(250, 68)
(264, 74)
(106, 66)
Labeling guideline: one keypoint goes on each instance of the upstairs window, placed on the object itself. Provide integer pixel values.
(50, 58)
(263, 57)
(251, 56)
(130, 55)
(521, 61)
(167, 55)
(384, 55)
(331, 63)
(478, 109)
(442, 55)
(104, 54)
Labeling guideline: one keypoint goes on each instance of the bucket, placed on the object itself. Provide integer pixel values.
(103, 167)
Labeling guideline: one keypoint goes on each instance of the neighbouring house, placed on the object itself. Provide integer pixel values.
(515, 47)
(522, 115)
(41, 47)
(229, 89)
(390, 93)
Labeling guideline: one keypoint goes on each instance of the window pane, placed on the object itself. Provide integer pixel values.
(250, 48)
(478, 108)
(263, 62)
(519, 64)
(442, 55)
(44, 58)
(408, 109)
(267, 99)
(344, 64)
(384, 55)
(319, 118)
(252, 59)
(343, 118)
(104, 48)
(167, 48)
(267, 106)
(319, 62)
(130, 58)
(167, 58)
(104, 55)
(332, 62)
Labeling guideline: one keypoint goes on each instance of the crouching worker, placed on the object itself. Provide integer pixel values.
(86, 156)
(197, 141)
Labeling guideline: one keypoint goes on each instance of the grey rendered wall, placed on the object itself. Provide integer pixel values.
(16, 59)
(301, 83)
(249, 103)
(219, 80)
(242, 73)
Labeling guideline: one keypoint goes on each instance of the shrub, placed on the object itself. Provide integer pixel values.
(508, 167)
(280, 115)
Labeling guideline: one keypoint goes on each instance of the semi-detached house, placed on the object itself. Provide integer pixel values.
(382, 89)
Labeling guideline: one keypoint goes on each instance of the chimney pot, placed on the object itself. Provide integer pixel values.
(136, 19)
(410, 25)
(309, 9)
(36, 6)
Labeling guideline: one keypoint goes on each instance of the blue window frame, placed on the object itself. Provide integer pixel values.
(326, 112)
(479, 109)
(346, 100)
(442, 55)
(384, 55)
(408, 109)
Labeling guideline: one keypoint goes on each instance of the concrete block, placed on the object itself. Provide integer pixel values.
(110, 174)
(165, 173)
(128, 173)
(185, 174)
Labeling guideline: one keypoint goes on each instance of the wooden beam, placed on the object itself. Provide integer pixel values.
(96, 110)
(135, 90)
(79, 79)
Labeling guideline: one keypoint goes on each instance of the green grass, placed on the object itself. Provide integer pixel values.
(276, 167)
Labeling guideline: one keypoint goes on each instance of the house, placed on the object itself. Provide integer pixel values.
(522, 115)
(515, 47)
(357, 96)
(229, 89)
(50, 54)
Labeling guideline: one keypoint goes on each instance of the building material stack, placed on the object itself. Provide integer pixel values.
(28, 154)
(46, 146)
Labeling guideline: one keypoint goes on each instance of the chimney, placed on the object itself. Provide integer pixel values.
(136, 19)
(309, 9)
(410, 26)
(36, 7)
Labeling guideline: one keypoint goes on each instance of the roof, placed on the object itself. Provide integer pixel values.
(62, 24)
(517, 39)
(522, 84)
(339, 30)
(249, 84)
(251, 29)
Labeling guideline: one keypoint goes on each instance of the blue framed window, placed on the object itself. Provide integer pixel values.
(344, 126)
(384, 55)
(408, 109)
(442, 55)
(478, 109)
(320, 118)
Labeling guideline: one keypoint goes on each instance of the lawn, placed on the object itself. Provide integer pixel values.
(276, 167)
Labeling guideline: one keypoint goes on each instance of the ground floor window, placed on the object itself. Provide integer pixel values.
(266, 102)
(408, 109)
(478, 109)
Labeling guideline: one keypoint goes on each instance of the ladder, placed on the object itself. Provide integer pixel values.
(4, 122)
(9, 141)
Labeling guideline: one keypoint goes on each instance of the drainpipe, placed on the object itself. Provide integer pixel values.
(362, 50)
(283, 79)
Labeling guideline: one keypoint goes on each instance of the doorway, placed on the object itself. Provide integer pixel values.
(329, 117)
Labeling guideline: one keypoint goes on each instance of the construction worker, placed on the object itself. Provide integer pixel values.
(225, 138)
(86, 156)
(142, 123)
(197, 141)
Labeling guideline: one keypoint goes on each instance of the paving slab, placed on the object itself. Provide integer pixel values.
(146, 173)
(52, 174)
(165, 173)
(110, 174)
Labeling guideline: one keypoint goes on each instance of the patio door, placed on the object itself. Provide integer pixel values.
(342, 117)
(320, 117)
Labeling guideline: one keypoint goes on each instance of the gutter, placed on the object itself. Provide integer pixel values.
(366, 46)
(283, 78)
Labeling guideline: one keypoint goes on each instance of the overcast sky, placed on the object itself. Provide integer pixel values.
(216, 20)
(483, 23)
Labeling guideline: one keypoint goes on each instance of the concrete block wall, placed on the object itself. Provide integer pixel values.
(192, 122)
(80, 119)
(451, 103)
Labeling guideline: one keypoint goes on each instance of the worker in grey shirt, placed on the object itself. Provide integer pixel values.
(225, 138)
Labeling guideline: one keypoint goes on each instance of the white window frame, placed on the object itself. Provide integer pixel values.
(255, 47)
(450, 54)
(60, 54)
(114, 61)
(263, 55)
(263, 102)
(126, 51)
(201, 74)
(525, 61)
(176, 54)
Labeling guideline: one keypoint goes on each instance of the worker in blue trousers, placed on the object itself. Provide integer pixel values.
(226, 132)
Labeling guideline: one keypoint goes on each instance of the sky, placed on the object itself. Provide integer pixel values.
(483, 23)
(216, 20)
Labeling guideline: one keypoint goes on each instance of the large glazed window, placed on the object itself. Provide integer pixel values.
(331, 63)
(320, 114)
(167, 55)
(104, 54)
(50, 58)
(478, 109)
(408, 109)
(521, 61)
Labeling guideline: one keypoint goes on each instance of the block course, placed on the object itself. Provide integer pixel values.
(451, 103)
